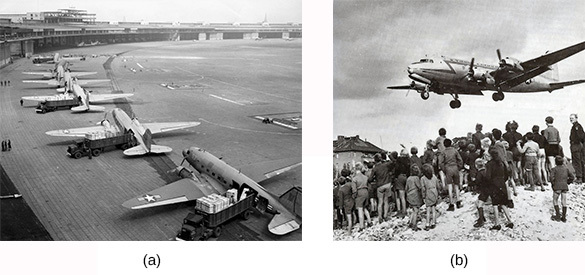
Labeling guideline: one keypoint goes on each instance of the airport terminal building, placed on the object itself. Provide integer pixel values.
(25, 34)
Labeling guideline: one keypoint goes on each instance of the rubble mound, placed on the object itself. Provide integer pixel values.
(531, 216)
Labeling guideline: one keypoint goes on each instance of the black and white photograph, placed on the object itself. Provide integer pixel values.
(151, 120)
(458, 121)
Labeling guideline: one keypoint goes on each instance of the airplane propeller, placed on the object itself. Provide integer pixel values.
(471, 72)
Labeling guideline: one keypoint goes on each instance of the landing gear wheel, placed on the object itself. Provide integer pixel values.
(217, 231)
(95, 152)
(425, 95)
(499, 96)
(455, 104)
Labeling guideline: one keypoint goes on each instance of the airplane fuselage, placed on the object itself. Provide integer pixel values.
(208, 164)
(449, 74)
(123, 121)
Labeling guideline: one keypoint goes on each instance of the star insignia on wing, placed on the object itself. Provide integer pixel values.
(149, 198)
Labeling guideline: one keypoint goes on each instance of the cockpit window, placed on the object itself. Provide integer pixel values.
(425, 60)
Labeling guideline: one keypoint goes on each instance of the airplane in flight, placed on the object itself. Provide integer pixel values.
(83, 96)
(456, 77)
(63, 79)
(213, 176)
(117, 121)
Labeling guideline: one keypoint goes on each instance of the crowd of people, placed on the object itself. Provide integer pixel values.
(491, 165)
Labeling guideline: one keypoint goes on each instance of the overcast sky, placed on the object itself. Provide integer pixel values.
(281, 11)
(374, 42)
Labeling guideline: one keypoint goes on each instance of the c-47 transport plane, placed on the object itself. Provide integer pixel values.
(117, 121)
(213, 175)
(63, 78)
(81, 95)
(458, 77)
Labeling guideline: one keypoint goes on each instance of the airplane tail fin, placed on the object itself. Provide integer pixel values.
(147, 136)
(141, 150)
(552, 74)
(84, 108)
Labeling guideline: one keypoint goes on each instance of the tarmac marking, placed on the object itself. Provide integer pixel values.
(228, 100)
(248, 130)
(141, 67)
(241, 87)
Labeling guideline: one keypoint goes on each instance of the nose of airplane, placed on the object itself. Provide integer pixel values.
(185, 152)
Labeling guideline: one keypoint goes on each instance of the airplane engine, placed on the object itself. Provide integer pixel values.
(511, 64)
(487, 79)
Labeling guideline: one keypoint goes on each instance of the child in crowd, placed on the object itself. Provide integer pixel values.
(482, 187)
(512, 172)
(401, 172)
(470, 165)
(560, 176)
(430, 188)
(497, 174)
(414, 195)
(414, 159)
(347, 197)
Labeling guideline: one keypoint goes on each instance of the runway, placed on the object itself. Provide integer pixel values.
(225, 85)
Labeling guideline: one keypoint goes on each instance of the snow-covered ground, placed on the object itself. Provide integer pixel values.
(531, 216)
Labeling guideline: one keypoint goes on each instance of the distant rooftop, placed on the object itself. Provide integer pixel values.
(354, 144)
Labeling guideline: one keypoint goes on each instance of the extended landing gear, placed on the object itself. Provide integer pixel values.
(455, 103)
(426, 93)
(499, 96)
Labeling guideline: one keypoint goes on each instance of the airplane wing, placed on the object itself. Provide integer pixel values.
(51, 82)
(77, 74)
(161, 127)
(552, 58)
(183, 190)
(539, 65)
(75, 132)
(265, 170)
(104, 97)
(407, 87)
(44, 74)
(560, 85)
(90, 81)
(38, 98)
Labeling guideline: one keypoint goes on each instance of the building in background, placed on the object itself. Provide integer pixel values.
(351, 150)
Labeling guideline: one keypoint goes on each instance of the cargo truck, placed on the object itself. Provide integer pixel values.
(52, 105)
(200, 225)
(96, 146)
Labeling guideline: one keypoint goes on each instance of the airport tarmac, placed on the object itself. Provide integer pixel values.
(226, 85)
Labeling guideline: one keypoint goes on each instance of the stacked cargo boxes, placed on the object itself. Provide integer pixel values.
(212, 203)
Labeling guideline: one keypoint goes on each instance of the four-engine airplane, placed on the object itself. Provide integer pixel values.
(213, 175)
(459, 77)
(117, 121)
